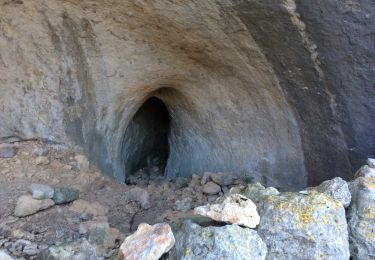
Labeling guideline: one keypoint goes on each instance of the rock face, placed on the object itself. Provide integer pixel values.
(26, 205)
(283, 84)
(148, 242)
(361, 218)
(297, 226)
(234, 209)
(194, 242)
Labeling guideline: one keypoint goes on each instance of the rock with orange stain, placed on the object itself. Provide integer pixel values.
(148, 242)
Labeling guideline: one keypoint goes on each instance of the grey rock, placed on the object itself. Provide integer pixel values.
(296, 226)
(5, 256)
(30, 249)
(41, 191)
(139, 195)
(211, 188)
(27, 205)
(183, 205)
(194, 242)
(371, 162)
(336, 188)
(182, 182)
(64, 195)
(220, 178)
(40, 151)
(365, 171)
(77, 250)
(8, 150)
(256, 192)
(361, 218)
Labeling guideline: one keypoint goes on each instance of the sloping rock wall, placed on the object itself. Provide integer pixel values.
(242, 81)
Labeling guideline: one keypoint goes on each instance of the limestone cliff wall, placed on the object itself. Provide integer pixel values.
(275, 89)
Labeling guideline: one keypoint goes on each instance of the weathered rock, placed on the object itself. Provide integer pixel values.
(194, 242)
(211, 188)
(221, 178)
(41, 191)
(336, 188)
(140, 196)
(77, 250)
(5, 256)
(365, 171)
(8, 150)
(296, 226)
(371, 162)
(83, 163)
(256, 192)
(42, 160)
(27, 205)
(40, 151)
(361, 218)
(65, 195)
(183, 205)
(233, 209)
(93, 208)
(148, 242)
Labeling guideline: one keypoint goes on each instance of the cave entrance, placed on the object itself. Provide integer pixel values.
(147, 136)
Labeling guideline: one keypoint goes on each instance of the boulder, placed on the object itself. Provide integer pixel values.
(365, 171)
(148, 242)
(139, 195)
(77, 250)
(8, 150)
(233, 209)
(297, 226)
(211, 188)
(371, 162)
(361, 218)
(336, 188)
(27, 205)
(194, 242)
(64, 195)
(92, 208)
(41, 191)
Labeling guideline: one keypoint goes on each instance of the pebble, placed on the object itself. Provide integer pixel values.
(211, 188)
(41, 191)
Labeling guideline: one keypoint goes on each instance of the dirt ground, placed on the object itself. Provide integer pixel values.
(59, 224)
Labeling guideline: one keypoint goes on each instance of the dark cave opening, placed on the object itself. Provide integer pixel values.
(147, 138)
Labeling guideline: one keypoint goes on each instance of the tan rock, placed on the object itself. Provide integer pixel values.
(234, 209)
(148, 242)
(82, 162)
(26, 205)
(42, 160)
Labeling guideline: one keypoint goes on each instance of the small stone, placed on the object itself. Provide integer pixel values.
(227, 242)
(93, 208)
(233, 209)
(365, 171)
(65, 195)
(336, 188)
(42, 160)
(77, 250)
(211, 188)
(40, 151)
(27, 205)
(148, 242)
(8, 150)
(139, 195)
(83, 163)
(371, 162)
(41, 191)
(183, 205)
(182, 182)
(84, 216)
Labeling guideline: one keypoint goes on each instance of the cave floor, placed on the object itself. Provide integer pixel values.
(59, 223)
